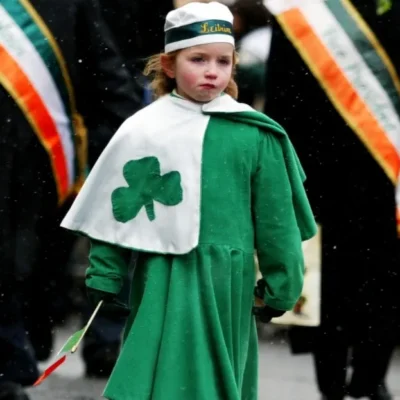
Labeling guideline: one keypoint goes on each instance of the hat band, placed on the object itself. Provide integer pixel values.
(210, 27)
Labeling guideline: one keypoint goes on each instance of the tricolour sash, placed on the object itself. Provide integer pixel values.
(34, 72)
(354, 70)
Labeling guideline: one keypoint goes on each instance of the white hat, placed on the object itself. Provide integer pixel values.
(198, 23)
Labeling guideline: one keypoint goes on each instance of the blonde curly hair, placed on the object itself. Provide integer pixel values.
(162, 84)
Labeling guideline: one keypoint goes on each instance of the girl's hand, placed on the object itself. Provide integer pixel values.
(266, 313)
(263, 312)
(112, 307)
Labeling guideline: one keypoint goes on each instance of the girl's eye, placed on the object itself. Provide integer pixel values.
(224, 62)
(197, 59)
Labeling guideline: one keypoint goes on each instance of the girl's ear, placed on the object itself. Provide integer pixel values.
(168, 65)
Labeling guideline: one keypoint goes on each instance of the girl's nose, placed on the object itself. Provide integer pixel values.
(211, 71)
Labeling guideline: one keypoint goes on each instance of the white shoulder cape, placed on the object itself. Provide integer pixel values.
(172, 130)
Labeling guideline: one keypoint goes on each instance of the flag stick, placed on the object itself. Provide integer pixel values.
(73, 350)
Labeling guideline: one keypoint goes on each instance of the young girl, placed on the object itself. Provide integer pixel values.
(194, 183)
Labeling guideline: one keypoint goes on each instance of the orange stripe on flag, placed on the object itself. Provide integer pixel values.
(24, 93)
(340, 90)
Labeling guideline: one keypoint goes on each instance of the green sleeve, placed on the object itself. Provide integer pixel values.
(108, 266)
(277, 235)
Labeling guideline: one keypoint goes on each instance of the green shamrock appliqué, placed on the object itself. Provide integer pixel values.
(145, 185)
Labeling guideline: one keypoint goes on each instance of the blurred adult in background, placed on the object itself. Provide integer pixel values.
(63, 93)
(138, 32)
(253, 36)
(333, 82)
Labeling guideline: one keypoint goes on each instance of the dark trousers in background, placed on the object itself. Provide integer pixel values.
(26, 188)
(50, 284)
(334, 353)
(17, 358)
(360, 314)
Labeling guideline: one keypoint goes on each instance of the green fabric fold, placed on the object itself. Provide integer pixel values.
(304, 215)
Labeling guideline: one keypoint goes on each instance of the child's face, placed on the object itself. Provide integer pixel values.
(203, 72)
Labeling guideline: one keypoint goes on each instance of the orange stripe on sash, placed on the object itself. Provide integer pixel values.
(340, 91)
(24, 93)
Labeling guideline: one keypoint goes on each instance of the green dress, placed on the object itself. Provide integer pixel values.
(191, 333)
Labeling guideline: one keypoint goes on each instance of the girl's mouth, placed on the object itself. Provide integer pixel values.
(208, 86)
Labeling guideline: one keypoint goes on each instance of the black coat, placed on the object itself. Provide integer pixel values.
(105, 94)
(349, 192)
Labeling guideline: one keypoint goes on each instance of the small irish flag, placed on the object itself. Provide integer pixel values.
(69, 347)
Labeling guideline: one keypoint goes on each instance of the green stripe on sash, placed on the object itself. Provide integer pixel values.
(365, 49)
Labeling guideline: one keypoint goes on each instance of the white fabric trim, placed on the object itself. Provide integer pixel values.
(206, 39)
(171, 129)
(18, 45)
(226, 104)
